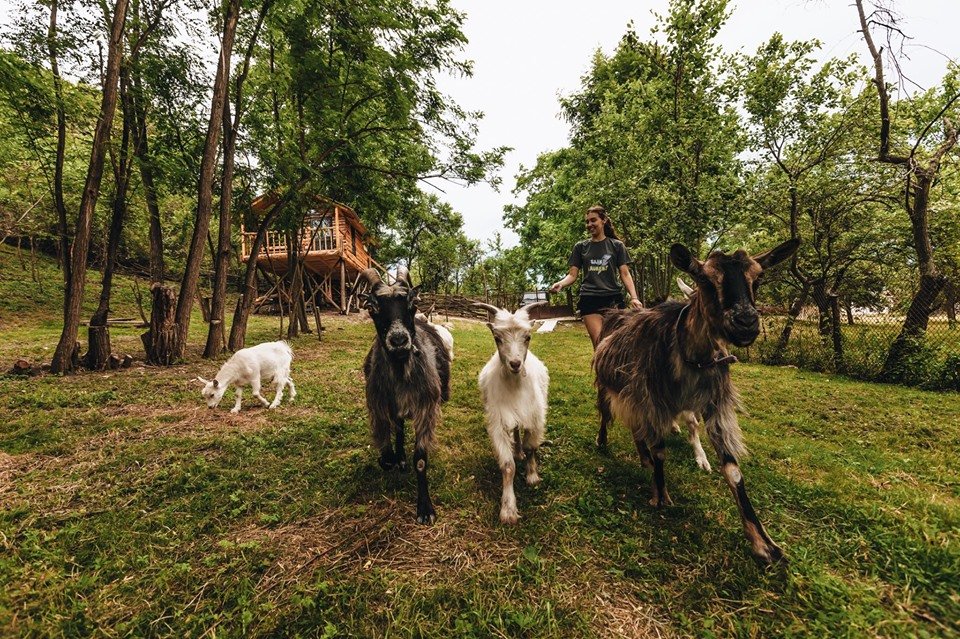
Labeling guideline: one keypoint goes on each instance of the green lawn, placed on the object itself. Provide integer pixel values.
(127, 508)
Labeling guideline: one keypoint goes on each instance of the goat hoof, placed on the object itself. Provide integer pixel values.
(770, 556)
(234, 410)
(272, 406)
(427, 518)
(509, 515)
(704, 464)
(660, 502)
(402, 465)
(533, 479)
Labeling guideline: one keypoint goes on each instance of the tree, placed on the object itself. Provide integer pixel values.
(65, 356)
(654, 139)
(208, 164)
(921, 166)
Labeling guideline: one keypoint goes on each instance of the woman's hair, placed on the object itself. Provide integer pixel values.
(607, 224)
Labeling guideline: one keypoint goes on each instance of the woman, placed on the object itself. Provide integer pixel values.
(600, 257)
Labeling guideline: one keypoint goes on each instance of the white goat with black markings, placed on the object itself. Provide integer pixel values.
(252, 366)
(514, 386)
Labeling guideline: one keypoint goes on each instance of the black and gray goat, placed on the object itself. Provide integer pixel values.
(661, 362)
(408, 376)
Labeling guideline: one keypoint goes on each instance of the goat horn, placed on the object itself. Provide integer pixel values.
(685, 288)
(372, 276)
(201, 380)
(490, 307)
(533, 305)
(403, 276)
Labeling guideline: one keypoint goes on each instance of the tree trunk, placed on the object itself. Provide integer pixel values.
(215, 334)
(821, 297)
(848, 305)
(98, 337)
(208, 164)
(159, 342)
(64, 242)
(238, 330)
(142, 152)
(932, 280)
(73, 291)
(836, 335)
(792, 316)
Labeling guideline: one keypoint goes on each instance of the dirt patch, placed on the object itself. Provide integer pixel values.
(384, 536)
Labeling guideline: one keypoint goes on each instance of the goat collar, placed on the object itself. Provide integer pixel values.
(719, 360)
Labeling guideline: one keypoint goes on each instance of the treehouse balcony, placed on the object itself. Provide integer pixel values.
(329, 244)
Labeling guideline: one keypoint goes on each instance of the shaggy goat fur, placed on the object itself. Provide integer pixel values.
(252, 366)
(514, 385)
(651, 366)
(407, 377)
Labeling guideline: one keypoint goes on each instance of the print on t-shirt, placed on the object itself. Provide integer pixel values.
(600, 262)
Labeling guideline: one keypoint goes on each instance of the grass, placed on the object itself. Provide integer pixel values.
(129, 509)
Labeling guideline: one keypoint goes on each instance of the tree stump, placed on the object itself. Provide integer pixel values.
(98, 351)
(161, 340)
(23, 367)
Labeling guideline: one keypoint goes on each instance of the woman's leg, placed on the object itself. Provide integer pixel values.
(594, 324)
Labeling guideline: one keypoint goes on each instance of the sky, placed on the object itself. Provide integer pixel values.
(526, 53)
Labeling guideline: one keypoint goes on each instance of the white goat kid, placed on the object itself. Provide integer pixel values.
(252, 366)
(514, 386)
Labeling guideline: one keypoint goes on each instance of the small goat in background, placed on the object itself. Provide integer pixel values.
(443, 330)
(252, 366)
(514, 386)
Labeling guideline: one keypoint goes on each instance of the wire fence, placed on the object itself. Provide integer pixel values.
(860, 343)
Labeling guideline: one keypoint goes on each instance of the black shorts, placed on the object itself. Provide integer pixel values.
(593, 304)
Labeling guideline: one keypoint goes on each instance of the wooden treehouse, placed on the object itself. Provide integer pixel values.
(330, 246)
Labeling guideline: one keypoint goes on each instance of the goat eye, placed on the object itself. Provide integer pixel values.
(498, 340)
(527, 339)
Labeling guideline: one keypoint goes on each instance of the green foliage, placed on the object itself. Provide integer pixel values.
(654, 139)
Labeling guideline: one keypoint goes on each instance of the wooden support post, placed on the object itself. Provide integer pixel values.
(343, 286)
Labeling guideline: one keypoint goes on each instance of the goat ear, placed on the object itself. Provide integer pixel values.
(778, 254)
(201, 380)
(684, 260)
(370, 302)
(413, 296)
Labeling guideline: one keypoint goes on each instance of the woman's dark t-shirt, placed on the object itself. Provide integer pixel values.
(599, 262)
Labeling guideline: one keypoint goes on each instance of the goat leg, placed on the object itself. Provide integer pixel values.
(726, 438)
(533, 477)
(425, 512)
(508, 499)
(606, 416)
(764, 549)
(658, 453)
(401, 455)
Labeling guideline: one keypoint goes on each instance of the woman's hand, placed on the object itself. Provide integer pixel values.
(636, 304)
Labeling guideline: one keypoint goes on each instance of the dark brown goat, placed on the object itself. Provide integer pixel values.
(655, 364)
(408, 376)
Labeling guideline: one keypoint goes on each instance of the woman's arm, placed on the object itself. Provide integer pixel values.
(627, 280)
(567, 280)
